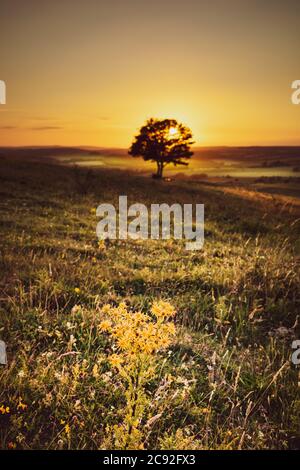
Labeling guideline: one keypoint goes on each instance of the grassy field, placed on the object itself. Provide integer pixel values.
(224, 382)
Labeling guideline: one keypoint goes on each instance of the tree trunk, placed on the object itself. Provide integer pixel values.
(160, 168)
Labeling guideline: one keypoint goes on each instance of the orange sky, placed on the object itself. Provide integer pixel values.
(89, 72)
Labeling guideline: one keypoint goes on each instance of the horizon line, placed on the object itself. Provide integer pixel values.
(94, 147)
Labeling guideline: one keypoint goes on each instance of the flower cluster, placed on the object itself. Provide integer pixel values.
(137, 333)
(137, 338)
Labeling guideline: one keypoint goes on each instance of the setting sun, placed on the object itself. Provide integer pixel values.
(173, 131)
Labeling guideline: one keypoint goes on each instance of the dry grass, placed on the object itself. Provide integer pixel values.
(226, 380)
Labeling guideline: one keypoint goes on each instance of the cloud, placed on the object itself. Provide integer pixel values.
(45, 128)
(36, 128)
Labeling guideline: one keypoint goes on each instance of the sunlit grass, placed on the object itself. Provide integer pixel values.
(224, 381)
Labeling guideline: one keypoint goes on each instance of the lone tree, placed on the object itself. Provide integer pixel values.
(163, 141)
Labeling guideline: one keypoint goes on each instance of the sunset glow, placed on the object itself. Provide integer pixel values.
(89, 73)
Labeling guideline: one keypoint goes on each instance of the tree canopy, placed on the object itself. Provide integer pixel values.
(163, 141)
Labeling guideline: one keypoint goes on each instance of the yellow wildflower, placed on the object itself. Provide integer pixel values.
(163, 309)
(77, 290)
(68, 430)
(101, 244)
(115, 360)
(106, 309)
(4, 409)
(105, 325)
(205, 411)
(95, 371)
(21, 406)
